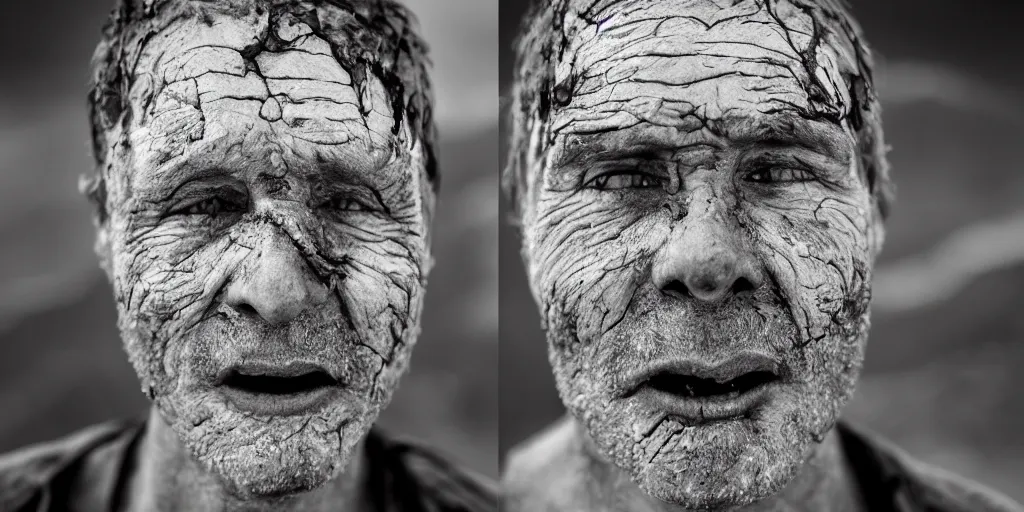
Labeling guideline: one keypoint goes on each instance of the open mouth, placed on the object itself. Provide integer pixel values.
(697, 392)
(271, 385)
(277, 390)
(690, 386)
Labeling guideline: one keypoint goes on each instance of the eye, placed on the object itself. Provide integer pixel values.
(778, 175)
(623, 180)
(212, 207)
(345, 204)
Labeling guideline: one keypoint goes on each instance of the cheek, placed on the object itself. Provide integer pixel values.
(165, 278)
(818, 252)
(385, 268)
(165, 274)
(588, 256)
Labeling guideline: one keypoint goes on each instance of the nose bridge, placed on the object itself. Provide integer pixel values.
(275, 283)
(707, 233)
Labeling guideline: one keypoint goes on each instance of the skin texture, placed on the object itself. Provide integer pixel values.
(697, 179)
(265, 189)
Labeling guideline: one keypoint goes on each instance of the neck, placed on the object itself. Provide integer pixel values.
(824, 482)
(167, 478)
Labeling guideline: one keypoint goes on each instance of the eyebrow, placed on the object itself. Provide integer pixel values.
(163, 184)
(628, 145)
(824, 137)
(643, 142)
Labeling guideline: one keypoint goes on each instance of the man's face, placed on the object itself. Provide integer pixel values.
(700, 241)
(268, 234)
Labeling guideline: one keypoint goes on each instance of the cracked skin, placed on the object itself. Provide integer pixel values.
(266, 181)
(729, 149)
(320, 225)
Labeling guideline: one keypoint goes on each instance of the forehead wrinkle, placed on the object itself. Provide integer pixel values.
(344, 35)
(690, 63)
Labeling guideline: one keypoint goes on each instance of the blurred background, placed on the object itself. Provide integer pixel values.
(943, 373)
(61, 362)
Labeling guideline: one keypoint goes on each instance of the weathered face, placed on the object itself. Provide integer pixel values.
(700, 241)
(268, 246)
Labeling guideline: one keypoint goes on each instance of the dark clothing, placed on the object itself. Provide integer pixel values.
(89, 470)
(891, 481)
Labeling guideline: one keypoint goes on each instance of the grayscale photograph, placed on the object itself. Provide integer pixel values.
(761, 255)
(220, 221)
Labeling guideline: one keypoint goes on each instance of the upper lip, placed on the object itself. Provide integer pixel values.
(720, 371)
(268, 369)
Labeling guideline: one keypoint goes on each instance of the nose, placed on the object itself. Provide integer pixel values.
(706, 259)
(276, 285)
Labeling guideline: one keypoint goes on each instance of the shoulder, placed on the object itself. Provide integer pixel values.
(942, 490)
(544, 472)
(928, 487)
(31, 474)
(437, 483)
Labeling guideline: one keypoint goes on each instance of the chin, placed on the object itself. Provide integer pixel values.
(722, 468)
(254, 477)
(265, 457)
(728, 464)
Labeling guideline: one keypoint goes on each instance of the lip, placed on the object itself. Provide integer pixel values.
(268, 369)
(271, 403)
(705, 409)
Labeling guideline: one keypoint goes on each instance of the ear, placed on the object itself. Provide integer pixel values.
(103, 250)
(876, 233)
(95, 190)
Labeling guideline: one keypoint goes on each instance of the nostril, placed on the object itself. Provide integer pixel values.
(247, 309)
(677, 289)
(742, 285)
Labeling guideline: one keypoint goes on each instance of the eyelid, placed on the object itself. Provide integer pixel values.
(369, 199)
(641, 167)
(188, 197)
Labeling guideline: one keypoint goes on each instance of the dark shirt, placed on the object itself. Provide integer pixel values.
(89, 470)
(892, 481)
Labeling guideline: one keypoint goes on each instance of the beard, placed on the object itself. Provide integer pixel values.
(717, 463)
(258, 456)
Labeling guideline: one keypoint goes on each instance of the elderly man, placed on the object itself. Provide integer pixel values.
(702, 187)
(266, 180)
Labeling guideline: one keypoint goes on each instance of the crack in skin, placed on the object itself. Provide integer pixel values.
(275, 144)
(698, 98)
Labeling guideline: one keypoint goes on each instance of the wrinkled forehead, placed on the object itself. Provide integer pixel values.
(318, 80)
(695, 65)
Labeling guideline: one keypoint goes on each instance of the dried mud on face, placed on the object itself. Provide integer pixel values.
(266, 184)
(658, 142)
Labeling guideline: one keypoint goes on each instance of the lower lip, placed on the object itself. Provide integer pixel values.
(292, 404)
(707, 409)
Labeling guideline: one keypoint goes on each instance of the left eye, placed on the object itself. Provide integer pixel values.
(778, 175)
(345, 204)
(212, 207)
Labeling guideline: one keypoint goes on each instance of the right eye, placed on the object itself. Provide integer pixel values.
(212, 207)
(618, 180)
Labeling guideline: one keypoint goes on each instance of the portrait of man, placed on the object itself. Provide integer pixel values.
(702, 189)
(266, 176)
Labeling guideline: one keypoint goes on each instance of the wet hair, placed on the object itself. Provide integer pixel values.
(366, 36)
(543, 41)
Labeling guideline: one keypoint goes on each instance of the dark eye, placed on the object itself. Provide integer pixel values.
(778, 175)
(345, 204)
(624, 180)
(213, 207)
